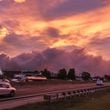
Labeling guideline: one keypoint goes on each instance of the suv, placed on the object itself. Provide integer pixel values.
(7, 89)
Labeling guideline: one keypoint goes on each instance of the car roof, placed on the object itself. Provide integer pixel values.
(2, 82)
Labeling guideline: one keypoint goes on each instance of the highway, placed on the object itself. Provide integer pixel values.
(38, 96)
(21, 91)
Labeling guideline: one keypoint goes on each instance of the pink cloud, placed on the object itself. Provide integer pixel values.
(55, 59)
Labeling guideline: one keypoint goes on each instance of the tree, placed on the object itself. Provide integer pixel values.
(62, 74)
(86, 76)
(107, 77)
(71, 74)
(46, 73)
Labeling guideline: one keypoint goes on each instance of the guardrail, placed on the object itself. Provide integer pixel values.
(72, 93)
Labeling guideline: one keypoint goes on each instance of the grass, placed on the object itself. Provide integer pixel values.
(98, 101)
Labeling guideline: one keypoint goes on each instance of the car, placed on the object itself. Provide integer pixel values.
(18, 78)
(6, 89)
(99, 82)
(4, 80)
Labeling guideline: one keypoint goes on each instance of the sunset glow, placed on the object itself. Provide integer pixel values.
(54, 34)
(3, 32)
(36, 25)
(19, 1)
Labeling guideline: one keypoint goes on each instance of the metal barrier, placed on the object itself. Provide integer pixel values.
(51, 97)
(72, 93)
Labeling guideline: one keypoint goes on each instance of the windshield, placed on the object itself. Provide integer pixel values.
(4, 85)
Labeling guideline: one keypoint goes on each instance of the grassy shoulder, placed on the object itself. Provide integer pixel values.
(99, 101)
(94, 103)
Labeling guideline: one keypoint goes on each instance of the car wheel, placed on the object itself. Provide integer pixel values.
(12, 93)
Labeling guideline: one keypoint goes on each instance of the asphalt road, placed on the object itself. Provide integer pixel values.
(18, 102)
(32, 89)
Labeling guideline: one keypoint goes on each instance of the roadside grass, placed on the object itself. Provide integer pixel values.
(98, 101)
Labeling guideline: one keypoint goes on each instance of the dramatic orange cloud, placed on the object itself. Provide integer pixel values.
(55, 24)
(19, 1)
(3, 32)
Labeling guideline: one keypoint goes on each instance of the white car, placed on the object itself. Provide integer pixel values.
(99, 82)
(4, 80)
(18, 78)
(7, 89)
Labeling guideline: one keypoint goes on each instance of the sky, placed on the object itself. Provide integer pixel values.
(37, 34)
(36, 25)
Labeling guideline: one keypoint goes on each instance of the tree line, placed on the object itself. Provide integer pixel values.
(66, 75)
(61, 74)
(71, 75)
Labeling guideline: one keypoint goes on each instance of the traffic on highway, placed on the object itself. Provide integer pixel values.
(22, 89)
